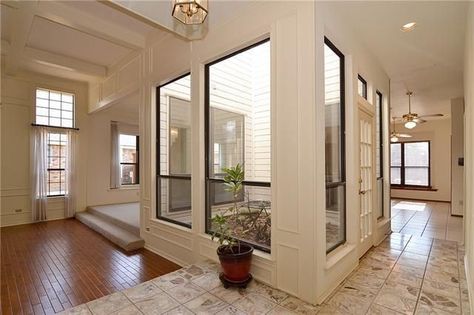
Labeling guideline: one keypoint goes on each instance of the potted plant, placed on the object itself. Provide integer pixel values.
(235, 257)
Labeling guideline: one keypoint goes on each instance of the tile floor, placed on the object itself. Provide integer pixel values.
(419, 269)
(426, 219)
(403, 275)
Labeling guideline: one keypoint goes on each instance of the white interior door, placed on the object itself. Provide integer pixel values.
(366, 180)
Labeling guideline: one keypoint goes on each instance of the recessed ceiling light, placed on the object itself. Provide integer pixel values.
(408, 27)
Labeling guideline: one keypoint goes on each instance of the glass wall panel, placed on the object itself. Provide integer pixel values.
(238, 131)
(379, 210)
(334, 146)
(174, 151)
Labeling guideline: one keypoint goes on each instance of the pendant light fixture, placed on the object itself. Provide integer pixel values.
(190, 12)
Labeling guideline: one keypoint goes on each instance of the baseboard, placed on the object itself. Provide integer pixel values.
(470, 285)
(34, 222)
(164, 255)
(419, 199)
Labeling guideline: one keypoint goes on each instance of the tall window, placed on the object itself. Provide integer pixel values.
(238, 132)
(174, 151)
(335, 146)
(54, 108)
(379, 152)
(362, 86)
(129, 169)
(410, 165)
(57, 155)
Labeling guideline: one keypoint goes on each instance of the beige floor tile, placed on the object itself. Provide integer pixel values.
(398, 296)
(254, 303)
(206, 304)
(109, 303)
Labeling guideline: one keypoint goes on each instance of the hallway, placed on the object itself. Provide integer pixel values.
(426, 219)
(403, 274)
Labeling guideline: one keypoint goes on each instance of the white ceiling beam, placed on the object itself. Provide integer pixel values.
(63, 14)
(21, 20)
(64, 62)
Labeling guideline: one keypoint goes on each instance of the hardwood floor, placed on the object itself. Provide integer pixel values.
(51, 266)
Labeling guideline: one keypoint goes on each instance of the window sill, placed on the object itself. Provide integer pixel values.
(338, 254)
(56, 197)
(413, 188)
(127, 187)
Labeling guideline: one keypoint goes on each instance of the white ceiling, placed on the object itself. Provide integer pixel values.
(70, 42)
(428, 60)
(79, 40)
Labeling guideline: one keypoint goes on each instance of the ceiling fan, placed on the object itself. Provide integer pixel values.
(412, 119)
(394, 135)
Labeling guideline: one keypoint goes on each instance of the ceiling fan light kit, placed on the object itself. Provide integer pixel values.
(411, 120)
(410, 124)
(394, 135)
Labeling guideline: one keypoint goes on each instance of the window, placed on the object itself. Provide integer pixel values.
(238, 132)
(174, 151)
(129, 170)
(57, 154)
(379, 152)
(335, 146)
(410, 165)
(54, 108)
(362, 86)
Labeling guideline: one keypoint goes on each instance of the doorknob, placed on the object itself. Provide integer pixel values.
(362, 192)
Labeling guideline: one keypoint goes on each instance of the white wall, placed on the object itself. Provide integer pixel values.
(438, 132)
(457, 151)
(469, 151)
(17, 113)
(99, 158)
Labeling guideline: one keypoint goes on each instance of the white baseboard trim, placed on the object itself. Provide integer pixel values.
(470, 287)
(164, 255)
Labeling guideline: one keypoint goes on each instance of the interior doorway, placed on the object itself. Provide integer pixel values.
(366, 178)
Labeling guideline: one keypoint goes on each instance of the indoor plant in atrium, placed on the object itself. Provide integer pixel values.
(235, 256)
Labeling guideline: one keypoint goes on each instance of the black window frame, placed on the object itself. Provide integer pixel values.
(381, 146)
(342, 139)
(402, 167)
(208, 179)
(364, 86)
(158, 176)
(57, 169)
(137, 163)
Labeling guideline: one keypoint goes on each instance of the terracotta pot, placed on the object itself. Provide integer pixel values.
(236, 264)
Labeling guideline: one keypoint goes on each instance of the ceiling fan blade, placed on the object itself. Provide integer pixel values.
(404, 135)
(419, 120)
(432, 115)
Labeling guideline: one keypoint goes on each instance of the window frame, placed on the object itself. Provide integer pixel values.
(402, 167)
(49, 108)
(342, 140)
(381, 147)
(364, 86)
(158, 176)
(207, 107)
(137, 163)
(59, 169)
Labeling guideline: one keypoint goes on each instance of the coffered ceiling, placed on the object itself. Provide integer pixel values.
(80, 40)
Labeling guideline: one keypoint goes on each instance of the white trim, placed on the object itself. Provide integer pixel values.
(470, 286)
